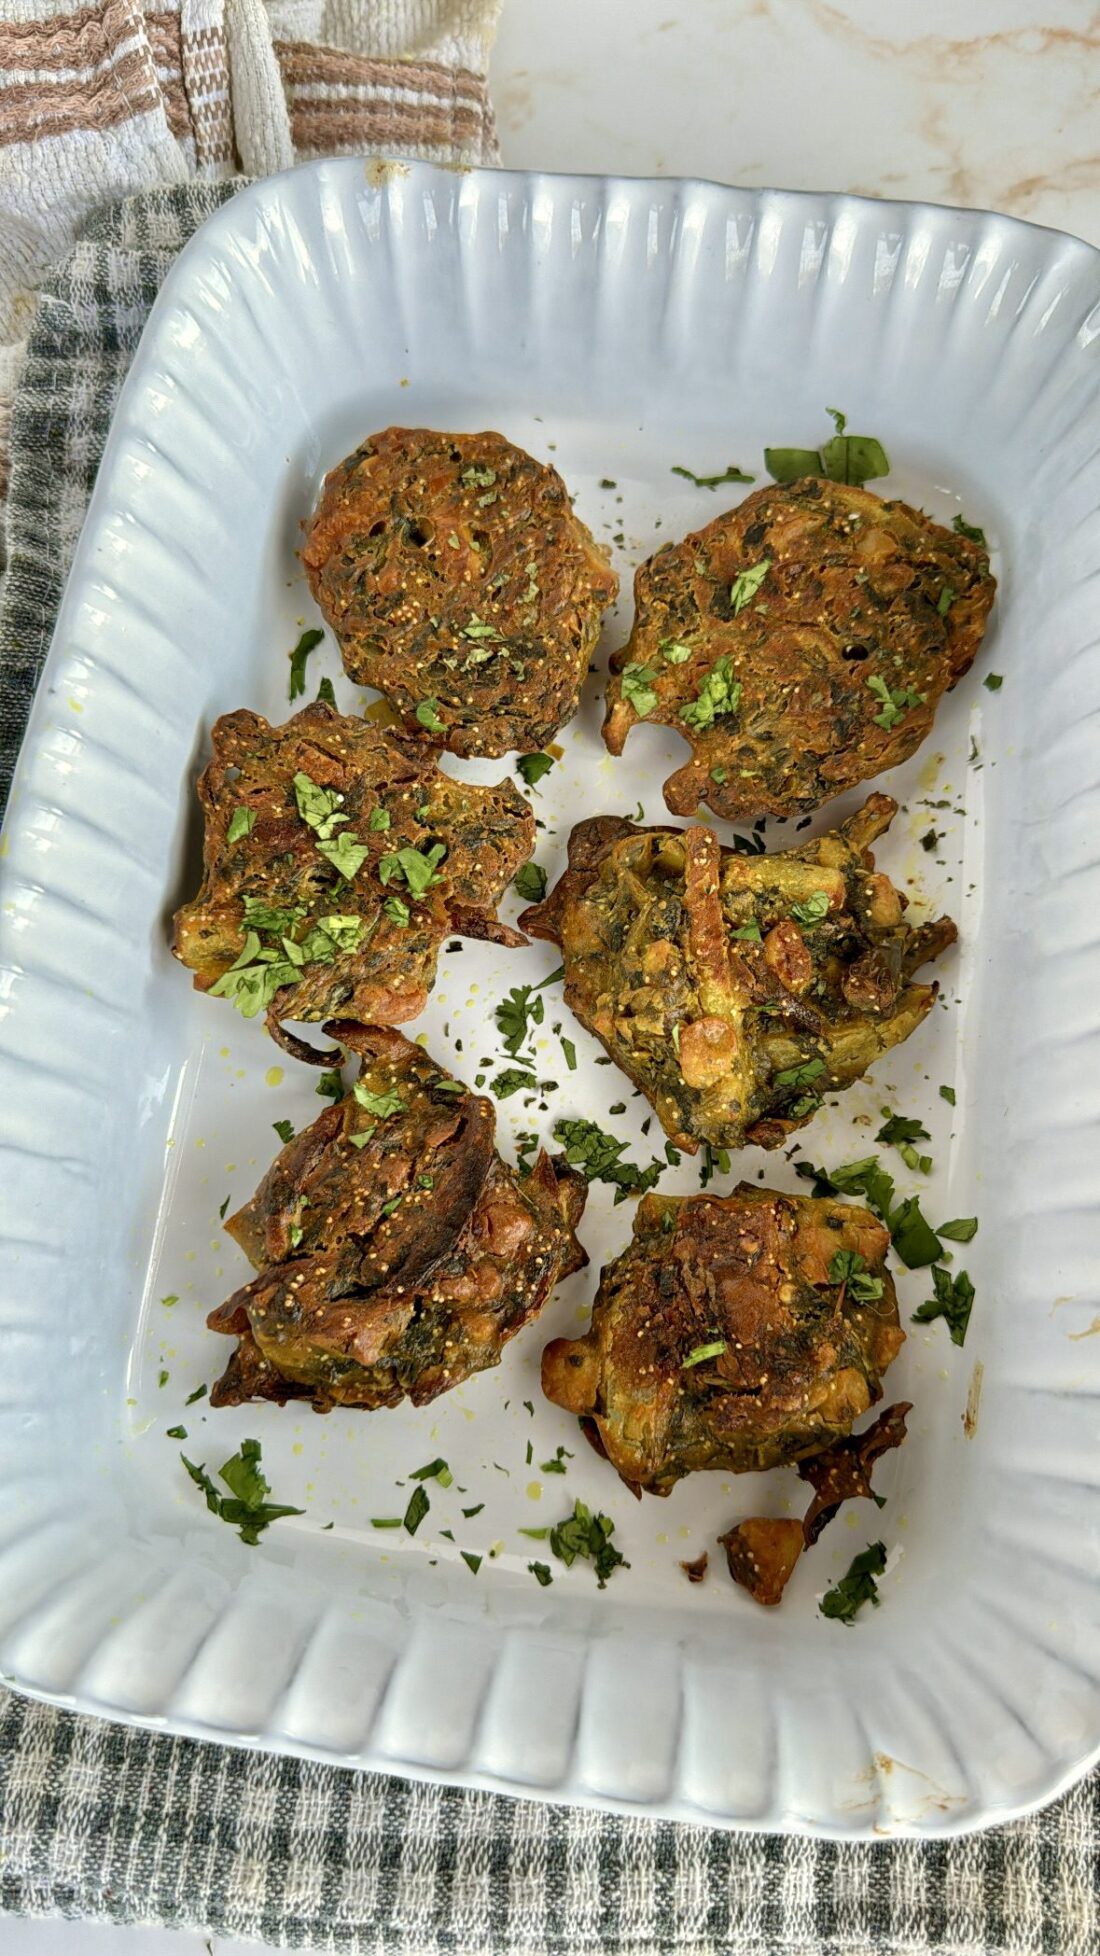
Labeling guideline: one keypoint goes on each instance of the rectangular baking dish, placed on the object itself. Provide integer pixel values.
(619, 329)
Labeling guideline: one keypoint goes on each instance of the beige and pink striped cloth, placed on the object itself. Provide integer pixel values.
(99, 101)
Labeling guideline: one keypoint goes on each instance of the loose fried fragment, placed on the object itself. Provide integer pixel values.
(459, 582)
(801, 643)
(336, 859)
(722, 1338)
(397, 1253)
(737, 991)
(843, 1471)
(696, 1571)
(761, 1554)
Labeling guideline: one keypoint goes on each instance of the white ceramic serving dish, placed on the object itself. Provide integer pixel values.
(619, 328)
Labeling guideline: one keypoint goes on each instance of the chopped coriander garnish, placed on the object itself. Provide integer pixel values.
(964, 529)
(946, 600)
(551, 978)
(606, 482)
(532, 767)
(895, 702)
(172, 1298)
(813, 910)
(847, 1597)
(748, 933)
(478, 476)
(330, 1086)
(427, 714)
(396, 910)
(848, 1268)
(473, 1562)
(416, 1510)
(175, 1432)
(471, 1512)
(636, 688)
(241, 823)
(223, 1206)
(843, 458)
(325, 693)
(530, 882)
(379, 820)
(931, 839)
(477, 628)
(246, 1507)
(718, 775)
(436, 1470)
(385, 1521)
(700, 1353)
(732, 474)
(534, 1534)
(747, 583)
(993, 681)
(318, 807)
(588, 1147)
(718, 695)
(900, 1133)
(284, 1130)
(714, 1160)
(306, 644)
(673, 653)
(162, 1377)
(418, 868)
(199, 1393)
(557, 1464)
(513, 1079)
(345, 854)
(540, 1572)
(948, 1094)
(381, 1105)
(588, 1536)
(952, 1299)
(800, 1075)
(570, 1051)
(962, 1230)
(914, 1240)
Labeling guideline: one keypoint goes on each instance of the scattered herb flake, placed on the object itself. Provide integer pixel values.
(436, 1470)
(199, 1393)
(948, 1094)
(306, 644)
(700, 1353)
(427, 714)
(962, 1230)
(717, 696)
(637, 689)
(732, 474)
(416, 1510)
(241, 823)
(471, 1512)
(993, 681)
(530, 883)
(246, 1507)
(747, 583)
(540, 1572)
(325, 693)
(848, 1268)
(532, 767)
(175, 1432)
(847, 1597)
(588, 1536)
(598, 1154)
(473, 1562)
(284, 1130)
(964, 529)
(952, 1299)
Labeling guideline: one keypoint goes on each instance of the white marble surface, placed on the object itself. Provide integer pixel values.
(996, 104)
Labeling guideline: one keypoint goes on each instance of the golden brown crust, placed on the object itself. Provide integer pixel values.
(736, 991)
(857, 595)
(383, 966)
(761, 1554)
(797, 1358)
(452, 568)
(396, 1252)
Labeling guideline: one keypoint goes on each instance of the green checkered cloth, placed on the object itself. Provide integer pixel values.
(130, 1826)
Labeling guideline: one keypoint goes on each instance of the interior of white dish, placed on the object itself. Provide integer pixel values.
(616, 329)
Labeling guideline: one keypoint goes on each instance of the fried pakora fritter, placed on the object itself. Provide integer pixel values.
(336, 858)
(459, 582)
(801, 643)
(730, 1334)
(737, 990)
(397, 1253)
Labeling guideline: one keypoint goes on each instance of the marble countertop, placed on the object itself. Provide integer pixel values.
(881, 97)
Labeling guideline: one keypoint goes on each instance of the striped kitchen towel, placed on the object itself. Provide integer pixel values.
(124, 1825)
(101, 100)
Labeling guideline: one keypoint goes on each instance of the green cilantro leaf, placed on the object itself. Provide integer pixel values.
(952, 1299)
(298, 657)
(946, 600)
(588, 1536)
(513, 1014)
(845, 1600)
(326, 694)
(530, 882)
(747, 583)
(813, 910)
(964, 529)
(899, 1132)
(557, 1464)
(478, 476)
(895, 702)
(800, 1075)
(284, 1130)
(473, 1562)
(247, 1507)
(346, 854)
(396, 911)
(514, 1079)
(570, 1051)
(962, 1230)
(993, 681)
(342, 930)
(318, 807)
(427, 714)
(732, 474)
(717, 696)
(673, 653)
(914, 1240)
(636, 688)
(599, 1155)
(847, 1267)
(381, 1105)
(268, 917)
(948, 1094)
(241, 823)
(418, 869)
(379, 820)
(436, 1470)
(532, 767)
(748, 933)
(540, 1572)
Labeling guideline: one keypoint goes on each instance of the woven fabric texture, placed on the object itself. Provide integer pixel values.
(123, 1825)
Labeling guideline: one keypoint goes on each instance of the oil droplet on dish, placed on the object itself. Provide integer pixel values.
(273, 1077)
(534, 1490)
